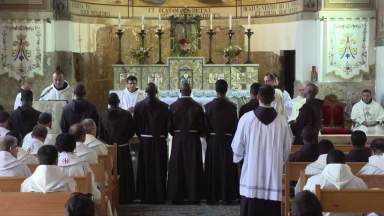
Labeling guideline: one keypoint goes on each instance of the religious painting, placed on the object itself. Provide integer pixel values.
(213, 77)
(243, 77)
(156, 78)
(186, 76)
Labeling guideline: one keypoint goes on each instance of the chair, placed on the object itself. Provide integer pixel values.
(350, 200)
(333, 117)
(99, 172)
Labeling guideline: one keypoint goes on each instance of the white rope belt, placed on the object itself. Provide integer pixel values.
(144, 135)
(225, 134)
(190, 131)
(123, 145)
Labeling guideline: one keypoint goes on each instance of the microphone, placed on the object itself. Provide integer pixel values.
(45, 93)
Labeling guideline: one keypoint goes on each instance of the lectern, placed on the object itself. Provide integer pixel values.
(55, 108)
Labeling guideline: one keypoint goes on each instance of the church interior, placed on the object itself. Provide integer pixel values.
(112, 54)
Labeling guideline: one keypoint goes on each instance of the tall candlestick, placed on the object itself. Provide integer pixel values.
(159, 21)
(210, 18)
(249, 21)
(142, 22)
(230, 21)
(119, 21)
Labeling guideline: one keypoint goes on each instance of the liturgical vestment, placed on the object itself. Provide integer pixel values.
(52, 93)
(49, 140)
(186, 125)
(375, 166)
(32, 146)
(75, 112)
(221, 173)
(11, 167)
(117, 126)
(95, 144)
(23, 119)
(26, 158)
(263, 139)
(151, 117)
(369, 113)
(279, 102)
(129, 99)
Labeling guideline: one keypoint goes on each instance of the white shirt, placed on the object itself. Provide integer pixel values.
(264, 149)
(278, 103)
(288, 104)
(85, 153)
(11, 167)
(17, 101)
(375, 166)
(297, 99)
(50, 140)
(26, 158)
(336, 176)
(72, 165)
(314, 168)
(3, 131)
(128, 99)
(54, 94)
(48, 178)
(95, 144)
(32, 146)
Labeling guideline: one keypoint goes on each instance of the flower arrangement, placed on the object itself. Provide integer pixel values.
(141, 55)
(233, 53)
(183, 48)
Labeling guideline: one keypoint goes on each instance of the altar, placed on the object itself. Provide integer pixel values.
(193, 70)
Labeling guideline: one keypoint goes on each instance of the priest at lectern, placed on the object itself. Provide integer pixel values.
(59, 90)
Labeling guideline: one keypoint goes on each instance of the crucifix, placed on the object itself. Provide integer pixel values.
(185, 19)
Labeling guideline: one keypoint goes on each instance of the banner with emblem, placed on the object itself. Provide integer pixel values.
(22, 49)
(347, 49)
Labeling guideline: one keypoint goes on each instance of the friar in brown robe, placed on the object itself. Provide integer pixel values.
(117, 126)
(253, 103)
(221, 179)
(151, 117)
(309, 114)
(25, 117)
(186, 125)
(77, 110)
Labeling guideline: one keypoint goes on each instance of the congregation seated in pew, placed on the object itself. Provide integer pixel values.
(360, 153)
(22, 155)
(90, 138)
(45, 119)
(306, 204)
(80, 205)
(336, 175)
(39, 134)
(82, 151)
(375, 163)
(48, 177)
(72, 165)
(4, 118)
(9, 165)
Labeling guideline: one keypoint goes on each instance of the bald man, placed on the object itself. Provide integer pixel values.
(77, 110)
(309, 114)
(116, 125)
(59, 90)
(82, 151)
(151, 117)
(186, 125)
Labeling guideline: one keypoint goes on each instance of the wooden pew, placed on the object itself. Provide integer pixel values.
(350, 200)
(107, 158)
(32, 167)
(343, 148)
(99, 172)
(341, 139)
(115, 177)
(12, 184)
(34, 203)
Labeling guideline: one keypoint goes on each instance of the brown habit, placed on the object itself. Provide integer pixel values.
(23, 119)
(221, 173)
(309, 115)
(117, 126)
(185, 178)
(75, 112)
(151, 117)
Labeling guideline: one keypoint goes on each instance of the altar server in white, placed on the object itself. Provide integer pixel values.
(59, 90)
(72, 165)
(4, 118)
(48, 177)
(317, 167)
(375, 166)
(336, 175)
(131, 95)
(263, 139)
(22, 155)
(25, 84)
(90, 138)
(82, 151)
(39, 134)
(9, 165)
(287, 98)
(368, 115)
(45, 119)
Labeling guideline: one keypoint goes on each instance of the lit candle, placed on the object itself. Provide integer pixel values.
(211, 21)
(142, 22)
(119, 21)
(249, 21)
(230, 21)
(159, 21)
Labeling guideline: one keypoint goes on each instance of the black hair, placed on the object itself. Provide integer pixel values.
(266, 94)
(306, 203)
(309, 134)
(113, 99)
(358, 138)
(221, 86)
(26, 95)
(17, 135)
(65, 143)
(80, 205)
(4, 116)
(335, 157)
(47, 154)
(324, 147)
(45, 118)
(367, 90)
(272, 76)
(131, 78)
(255, 88)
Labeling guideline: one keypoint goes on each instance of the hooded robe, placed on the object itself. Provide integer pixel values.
(75, 112)
(23, 119)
